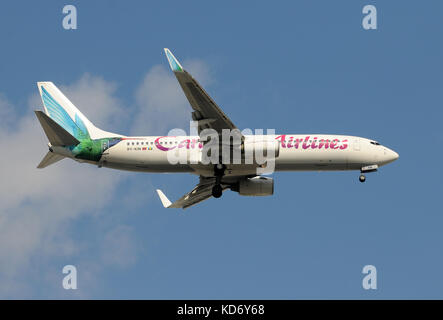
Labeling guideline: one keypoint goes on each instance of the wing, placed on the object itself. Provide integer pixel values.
(206, 111)
(209, 116)
(201, 192)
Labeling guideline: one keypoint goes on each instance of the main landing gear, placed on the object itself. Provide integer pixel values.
(362, 178)
(217, 191)
(219, 171)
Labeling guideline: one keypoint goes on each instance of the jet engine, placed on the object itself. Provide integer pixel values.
(256, 186)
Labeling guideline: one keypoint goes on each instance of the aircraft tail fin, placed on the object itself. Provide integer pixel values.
(50, 158)
(56, 134)
(62, 111)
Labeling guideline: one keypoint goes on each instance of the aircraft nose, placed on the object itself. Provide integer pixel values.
(391, 155)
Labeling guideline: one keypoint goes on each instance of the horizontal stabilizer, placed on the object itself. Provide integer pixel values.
(57, 136)
(49, 159)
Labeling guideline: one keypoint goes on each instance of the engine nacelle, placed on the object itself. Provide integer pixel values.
(257, 186)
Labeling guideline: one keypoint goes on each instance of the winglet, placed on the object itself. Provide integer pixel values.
(173, 62)
(165, 201)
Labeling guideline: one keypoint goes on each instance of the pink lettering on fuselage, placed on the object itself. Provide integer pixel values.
(311, 143)
(186, 143)
(290, 142)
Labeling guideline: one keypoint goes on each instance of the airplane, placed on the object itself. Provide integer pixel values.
(72, 135)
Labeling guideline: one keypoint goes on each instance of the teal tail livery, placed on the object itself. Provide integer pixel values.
(69, 132)
(240, 161)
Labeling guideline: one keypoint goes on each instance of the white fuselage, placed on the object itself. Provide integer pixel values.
(306, 152)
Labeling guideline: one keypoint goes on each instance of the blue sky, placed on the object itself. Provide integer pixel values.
(293, 66)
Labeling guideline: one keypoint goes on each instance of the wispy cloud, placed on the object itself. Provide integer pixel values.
(38, 208)
(119, 247)
(98, 101)
(7, 114)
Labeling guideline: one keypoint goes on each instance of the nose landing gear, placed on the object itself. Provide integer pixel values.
(366, 169)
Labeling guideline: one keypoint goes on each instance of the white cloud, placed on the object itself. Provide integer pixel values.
(96, 99)
(38, 208)
(119, 247)
(7, 115)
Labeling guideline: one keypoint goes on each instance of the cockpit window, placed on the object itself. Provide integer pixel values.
(375, 143)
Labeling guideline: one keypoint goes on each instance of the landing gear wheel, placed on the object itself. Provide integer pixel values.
(362, 178)
(217, 191)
